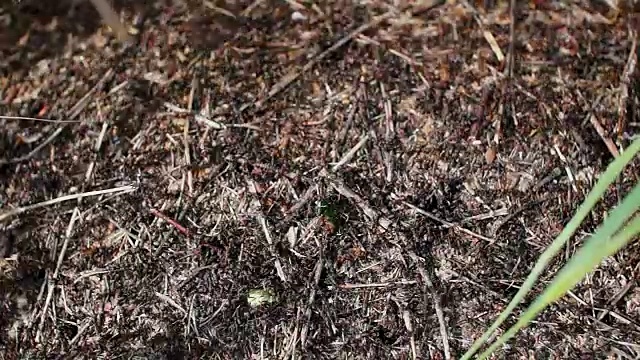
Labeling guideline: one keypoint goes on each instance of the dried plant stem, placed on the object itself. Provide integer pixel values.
(20, 210)
(111, 18)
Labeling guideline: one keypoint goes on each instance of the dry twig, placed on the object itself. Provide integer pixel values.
(119, 190)
(448, 224)
(601, 132)
(436, 304)
(172, 222)
(625, 80)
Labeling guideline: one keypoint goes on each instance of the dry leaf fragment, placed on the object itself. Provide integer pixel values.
(490, 155)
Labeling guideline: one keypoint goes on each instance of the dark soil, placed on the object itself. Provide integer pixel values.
(409, 155)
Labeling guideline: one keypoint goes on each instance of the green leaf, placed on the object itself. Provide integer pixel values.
(585, 260)
(612, 172)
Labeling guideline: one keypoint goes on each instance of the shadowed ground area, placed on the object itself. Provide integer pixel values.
(381, 175)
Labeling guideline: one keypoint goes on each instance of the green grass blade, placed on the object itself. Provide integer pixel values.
(599, 246)
(612, 172)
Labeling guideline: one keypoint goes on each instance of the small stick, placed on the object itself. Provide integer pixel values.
(371, 213)
(215, 313)
(600, 130)
(67, 237)
(34, 151)
(436, 304)
(172, 222)
(515, 212)
(52, 280)
(185, 135)
(81, 330)
(303, 200)
(307, 312)
(447, 224)
(625, 80)
(406, 316)
(347, 157)
(122, 189)
(377, 285)
(73, 114)
(6, 117)
(267, 235)
(512, 39)
(171, 302)
(82, 103)
(44, 310)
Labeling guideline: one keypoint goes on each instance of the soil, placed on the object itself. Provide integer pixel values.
(356, 181)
